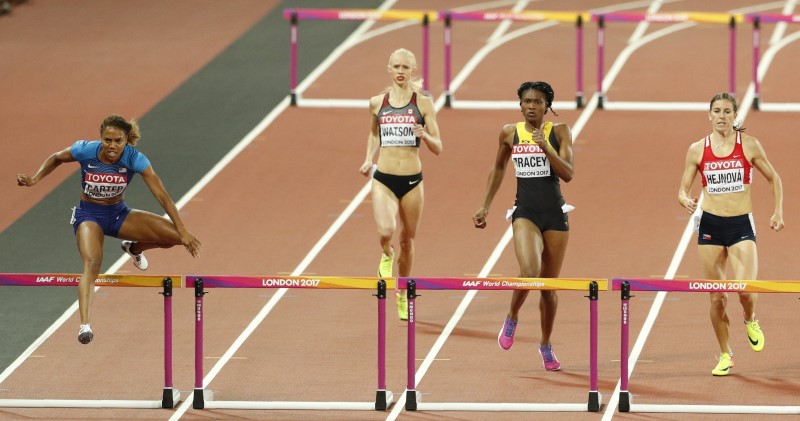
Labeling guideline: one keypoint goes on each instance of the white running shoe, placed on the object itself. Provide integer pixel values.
(85, 335)
(138, 259)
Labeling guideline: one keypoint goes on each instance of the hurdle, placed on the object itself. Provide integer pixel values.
(625, 286)
(413, 401)
(383, 397)
(676, 17)
(523, 16)
(295, 15)
(169, 398)
(757, 20)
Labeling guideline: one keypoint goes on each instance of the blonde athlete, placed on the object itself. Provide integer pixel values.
(402, 118)
(725, 160)
(542, 155)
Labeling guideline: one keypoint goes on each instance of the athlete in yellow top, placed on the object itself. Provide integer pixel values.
(542, 155)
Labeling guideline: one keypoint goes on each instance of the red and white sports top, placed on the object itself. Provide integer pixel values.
(727, 174)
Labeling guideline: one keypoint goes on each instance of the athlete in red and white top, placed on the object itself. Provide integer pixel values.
(107, 167)
(725, 160)
(402, 118)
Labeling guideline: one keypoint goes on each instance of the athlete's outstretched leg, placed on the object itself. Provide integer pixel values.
(89, 237)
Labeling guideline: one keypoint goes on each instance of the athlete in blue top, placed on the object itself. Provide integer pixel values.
(107, 167)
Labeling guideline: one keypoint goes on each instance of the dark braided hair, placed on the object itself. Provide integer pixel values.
(542, 87)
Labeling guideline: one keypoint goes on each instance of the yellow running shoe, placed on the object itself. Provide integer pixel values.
(724, 365)
(385, 267)
(754, 335)
(402, 306)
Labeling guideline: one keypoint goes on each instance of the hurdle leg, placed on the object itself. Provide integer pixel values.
(411, 393)
(579, 59)
(382, 397)
(756, 54)
(624, 395)
(425, 54)
(448, 39)
(594, 395)
(732, 57)
(169, 397)
(293, 59)
(601, 33)
(198, 402)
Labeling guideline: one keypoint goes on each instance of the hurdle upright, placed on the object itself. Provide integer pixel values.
(757, 20)
(169, 398)
(625, 286)
(498, 284)
(383, 397)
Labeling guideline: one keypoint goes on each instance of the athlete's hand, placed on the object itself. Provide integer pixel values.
(538, 138)
(25, 180)
(367, 168)
(776, 222)
(419, 131)
(479, 219)
(690, 205)
(192, 244)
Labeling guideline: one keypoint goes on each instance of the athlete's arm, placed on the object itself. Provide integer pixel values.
(562, 163)
(758, 158)
(373, 139)
(430, 132)
(693, 156)
(156, 187)
(50, 164)
(495, 174)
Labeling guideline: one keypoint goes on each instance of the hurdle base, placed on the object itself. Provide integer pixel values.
(595, 400)
(501, 407)
(291, 405)
(383, 398)
(78, 403)
(170, 398)
(625, 401)
(412, 396)
(199, 401)
(716, 409)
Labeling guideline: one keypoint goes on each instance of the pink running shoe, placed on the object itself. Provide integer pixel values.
(549, 359)
(506, 336)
